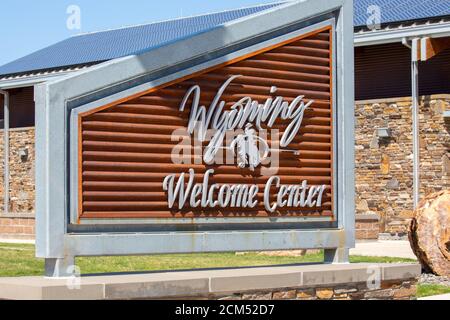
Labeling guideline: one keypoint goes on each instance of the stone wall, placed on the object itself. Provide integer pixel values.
(389, 290)
(367, 226)
(17, 227)
(384, 166)
(19, 221)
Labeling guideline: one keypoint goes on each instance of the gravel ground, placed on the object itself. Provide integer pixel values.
(427, 278)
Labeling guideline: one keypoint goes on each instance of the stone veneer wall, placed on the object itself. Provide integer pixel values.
(19, 223)
(388, 290)
(367, 227)
(384, 167)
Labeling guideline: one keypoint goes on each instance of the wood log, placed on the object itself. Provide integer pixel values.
(429, 233)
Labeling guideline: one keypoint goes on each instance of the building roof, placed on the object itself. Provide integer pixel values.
(393, 11)
(112, 44)
(102, 46)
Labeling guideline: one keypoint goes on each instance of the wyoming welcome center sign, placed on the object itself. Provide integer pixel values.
(239, 138)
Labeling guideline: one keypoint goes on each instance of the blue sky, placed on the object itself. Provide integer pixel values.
(29, 25)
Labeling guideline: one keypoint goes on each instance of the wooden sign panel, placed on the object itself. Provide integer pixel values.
(149, 156)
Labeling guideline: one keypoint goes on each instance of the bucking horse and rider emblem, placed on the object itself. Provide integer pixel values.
(250, 149)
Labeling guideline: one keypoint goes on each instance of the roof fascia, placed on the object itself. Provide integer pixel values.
(28, 81)
(371, 38)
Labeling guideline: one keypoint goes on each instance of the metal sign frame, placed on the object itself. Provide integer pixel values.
(60, 237)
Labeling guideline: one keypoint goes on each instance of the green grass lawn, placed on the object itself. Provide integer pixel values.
(428, 290)
(19, 260)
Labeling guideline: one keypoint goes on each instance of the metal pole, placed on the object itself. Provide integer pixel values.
(415, 116)
(6, 150)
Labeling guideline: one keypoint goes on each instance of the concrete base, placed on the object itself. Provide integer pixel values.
(212, 284)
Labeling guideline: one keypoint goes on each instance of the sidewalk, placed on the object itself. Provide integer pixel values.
(441, 297)
(384, 248)
(16, 241)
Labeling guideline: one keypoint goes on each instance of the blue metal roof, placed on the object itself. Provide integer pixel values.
(401, 10)
(107, 45)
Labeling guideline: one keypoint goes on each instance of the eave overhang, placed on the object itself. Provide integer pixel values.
(390, 34)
